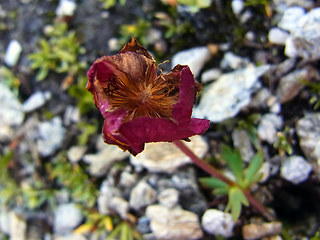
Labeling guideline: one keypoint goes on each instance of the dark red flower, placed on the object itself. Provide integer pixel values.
(140, 106)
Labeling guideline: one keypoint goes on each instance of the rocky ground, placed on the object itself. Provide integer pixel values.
(258, 62)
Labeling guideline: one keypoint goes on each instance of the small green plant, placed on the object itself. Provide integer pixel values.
(316, 236)
(73, 178)
(10, 80)
(315, 93)
(137, 30)
(123, 231)
(87, 129)
(249, 124)
(283, 144)
(111, 3)
(58, 53)
(244, 179)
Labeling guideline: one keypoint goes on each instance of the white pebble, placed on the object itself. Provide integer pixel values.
(278, 36)
(291, 17)
(295, 169)
(66, 8)
(13, 53)
(237, 6)
(35, 101)
(217, 222)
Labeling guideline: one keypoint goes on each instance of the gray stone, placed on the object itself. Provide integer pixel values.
(278, 36)
(225, 97)
(13, 53)
(210, 75)
(51, 134)
(36, 100)
(258, 231)
(142, 195)
(232, 61)
(308, 131)
(101, 161)
(195, 58)
(259, 100)
(75, 153)
(267, 129)
(71, 115)
(217, 222)
(166, 157)
(304, 40)
(11, 113)
(120, 206)
(241, 140)
(71, 236)
(168, 224)
(284, 4)
(237, 6)
(66, 218)
(290, 18)
(18, 227)
(295, 169)
(107, 192)
(290, 85)
(66, 8)
(4, 220)
(169, 197)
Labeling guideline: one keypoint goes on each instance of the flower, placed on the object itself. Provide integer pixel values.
(140, 106)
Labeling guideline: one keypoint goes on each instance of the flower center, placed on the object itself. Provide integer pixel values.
(145, 96)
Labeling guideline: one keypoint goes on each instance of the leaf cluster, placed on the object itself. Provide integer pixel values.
(9, 79)
(244, 179)
(58, 53)
(74, 179)
(111, 3)
(137, 30)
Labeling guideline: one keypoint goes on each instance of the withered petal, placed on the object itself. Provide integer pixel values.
(134, 46)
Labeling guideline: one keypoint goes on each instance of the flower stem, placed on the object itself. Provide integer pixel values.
(215, 173)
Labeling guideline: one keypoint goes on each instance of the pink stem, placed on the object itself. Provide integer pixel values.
(215, 173)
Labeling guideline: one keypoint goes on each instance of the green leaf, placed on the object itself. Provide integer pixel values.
(221, 191)
(252, 170)
(233, 158)
(213, 182)
(235, 202)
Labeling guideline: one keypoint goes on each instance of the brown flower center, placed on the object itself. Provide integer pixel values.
(153, 97)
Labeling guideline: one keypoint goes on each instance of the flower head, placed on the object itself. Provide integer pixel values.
(140, 106)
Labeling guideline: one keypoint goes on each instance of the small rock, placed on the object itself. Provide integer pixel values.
(71, 236)
(128, 179)
(120, 206)
(169, 197)
(308, 130)
(304, 40)
(290, 18)
(259, 100)
(143, 225)
(11, 113)
(6, 133)
(36, 100)
(51, 136)
(166, 157)
(210, 75)
(75, 153)
(13, 53)
(104, 159)
(232, 61)
(217, 222)
(66, 8)
(287, 3)
(258, 231)
(237, 6)
(66, 218)
(295, 169)
(18, 227)
(225, 97)
(195, 58)
(168, 224)
(265, 171)
(290, 85)
(267, 129)
(142, 195)
(107, 192)
(4, 220)
(278, 36)
(113, 44)
(242, 141)
(71, 115)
